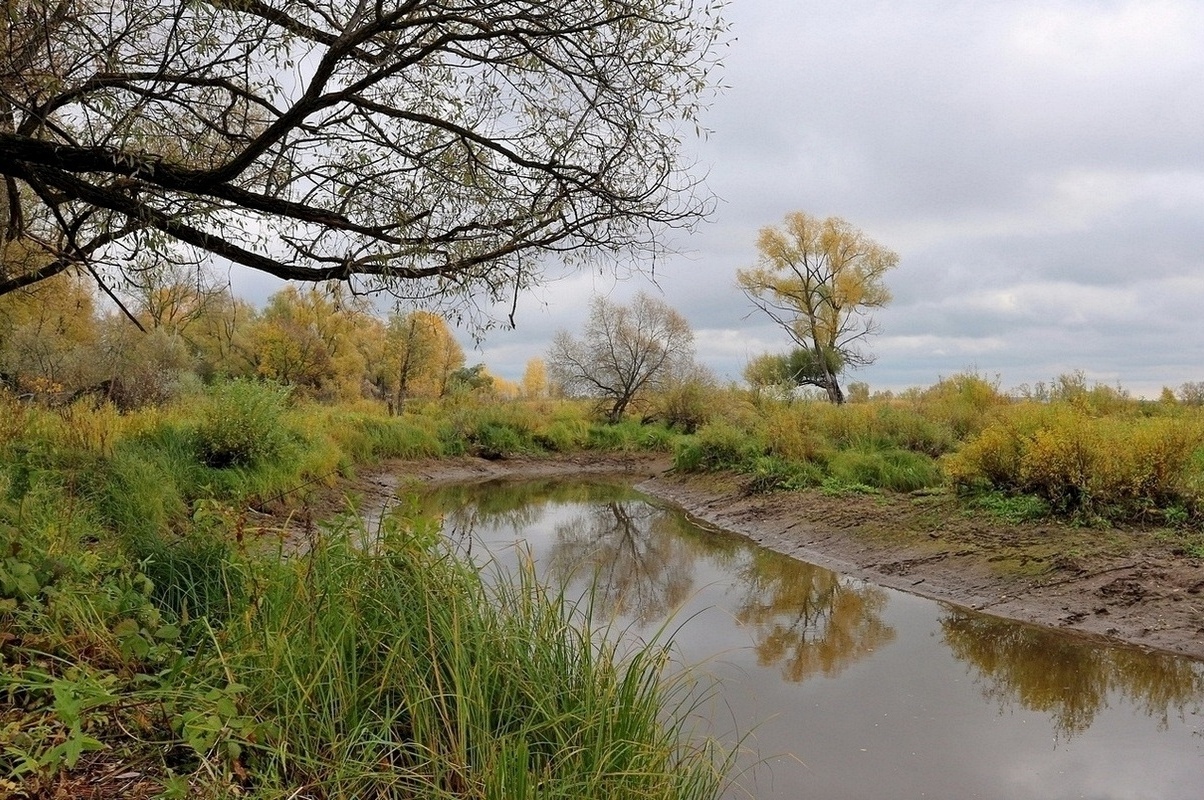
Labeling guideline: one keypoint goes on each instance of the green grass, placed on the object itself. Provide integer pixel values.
(1013, 508)
(389, 652)
(148, 626)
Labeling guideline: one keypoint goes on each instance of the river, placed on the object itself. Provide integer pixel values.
(837, 688)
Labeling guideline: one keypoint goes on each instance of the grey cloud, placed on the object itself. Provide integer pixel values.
(1043, 150)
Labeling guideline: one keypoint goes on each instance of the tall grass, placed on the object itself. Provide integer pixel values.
(144, 627)
(388, 669)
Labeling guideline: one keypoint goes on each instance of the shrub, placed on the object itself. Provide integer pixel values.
(794, 436)
(498, 440)
(240, 423)
(1117, 467)
(964, 403)
(688, 404)
(717, 445)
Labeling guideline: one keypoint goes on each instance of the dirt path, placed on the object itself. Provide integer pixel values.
(1126, 585)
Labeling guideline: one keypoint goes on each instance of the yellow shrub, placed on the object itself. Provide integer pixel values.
(992, 458)
(1076, 460)
(792, 436)
(966, 403)
(1059, 462)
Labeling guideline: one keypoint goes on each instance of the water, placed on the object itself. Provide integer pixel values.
(846, 689)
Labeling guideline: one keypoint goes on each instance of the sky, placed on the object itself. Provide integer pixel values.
(1038, 165)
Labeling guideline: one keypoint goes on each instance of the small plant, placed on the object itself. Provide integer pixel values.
(835, 487)
(1176, 516)
(1013, 508)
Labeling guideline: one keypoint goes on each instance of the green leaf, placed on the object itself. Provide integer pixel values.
(168, 633)
(125, 629)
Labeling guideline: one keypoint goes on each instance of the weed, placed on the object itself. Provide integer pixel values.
(1013, 508)
(834, 487)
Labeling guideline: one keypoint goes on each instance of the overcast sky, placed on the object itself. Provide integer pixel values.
(1037, 165)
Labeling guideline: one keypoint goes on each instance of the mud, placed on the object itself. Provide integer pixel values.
(1126, 585)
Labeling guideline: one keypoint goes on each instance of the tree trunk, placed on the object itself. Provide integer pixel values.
(832, 386)
(616, 411)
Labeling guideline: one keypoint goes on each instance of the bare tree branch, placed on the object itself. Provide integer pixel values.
(419, 147)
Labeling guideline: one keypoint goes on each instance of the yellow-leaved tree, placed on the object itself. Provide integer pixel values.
(47, 337)
(819, 279)
(312, 339)
(420, 355)
(535, 379)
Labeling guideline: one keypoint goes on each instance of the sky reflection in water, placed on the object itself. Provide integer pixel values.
(851, 690)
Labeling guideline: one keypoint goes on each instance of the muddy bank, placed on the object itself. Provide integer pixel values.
(1126, 585)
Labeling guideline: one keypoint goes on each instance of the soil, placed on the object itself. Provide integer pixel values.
(1136, 586)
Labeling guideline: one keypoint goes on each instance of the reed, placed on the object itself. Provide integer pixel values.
(380, 666)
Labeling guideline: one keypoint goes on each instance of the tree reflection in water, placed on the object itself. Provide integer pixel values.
(639, 567)
(1069, 679)
(641, 559)
(809, 619)
(467, 508)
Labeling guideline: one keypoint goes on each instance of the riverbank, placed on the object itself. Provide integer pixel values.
(1126, 585)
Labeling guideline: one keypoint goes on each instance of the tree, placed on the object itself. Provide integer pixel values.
(818, 280)
(624, 351)
(535, 379)
(799, 367)
(174, 297)
(421, 353)
(470, 379)
(47, 338)
(1192, 393)
(310, 339)
(222, 338)
(429, 148)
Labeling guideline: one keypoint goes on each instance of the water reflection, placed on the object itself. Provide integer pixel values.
(466, 509)
(808, 619)
(628, 549)
(905, 722)
(641, 560)
(1070, 679)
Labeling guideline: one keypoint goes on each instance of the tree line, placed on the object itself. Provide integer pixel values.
(817, 279)
(57, 342)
